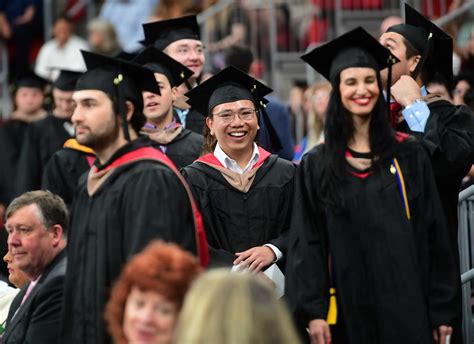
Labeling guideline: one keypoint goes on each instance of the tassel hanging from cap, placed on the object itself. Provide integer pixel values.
(122, 105)
(275, 144)
(424, 56)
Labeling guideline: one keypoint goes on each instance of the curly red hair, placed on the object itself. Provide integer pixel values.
(161, 267)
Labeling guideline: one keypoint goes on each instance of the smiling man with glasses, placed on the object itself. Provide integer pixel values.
(244, 192)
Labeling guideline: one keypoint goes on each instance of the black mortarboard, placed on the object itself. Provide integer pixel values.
(164, 32)
(356, 48)
(159, 62)
(118, 78)
(66, 81)
(30, 79)
(230, 85)
(430, 42)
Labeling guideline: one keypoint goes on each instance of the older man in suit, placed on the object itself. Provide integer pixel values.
(37, 224)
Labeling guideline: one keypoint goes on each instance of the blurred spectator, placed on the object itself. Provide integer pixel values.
(20, 26)
(169, 9)
(63, 51)
(316, 104)
(388, 22)
(148, 295)
(7, 293)
(127, 16)
(462, 83)
(102, 37)
(438, 85)
(224, 307)
(242, 58)
(28, 99)
(297, 111)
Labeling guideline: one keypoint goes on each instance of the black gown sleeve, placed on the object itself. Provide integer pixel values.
(29, 163)
(449, 137)
(219, 257)
(443, 274)
(307, 276)
(156, 206)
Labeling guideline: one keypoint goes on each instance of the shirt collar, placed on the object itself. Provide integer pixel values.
(231, 164)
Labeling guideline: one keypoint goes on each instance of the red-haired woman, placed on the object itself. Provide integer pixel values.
(147, 297)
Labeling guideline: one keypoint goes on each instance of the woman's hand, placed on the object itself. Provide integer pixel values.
(440, 333)
(319, 332)
(256, 258)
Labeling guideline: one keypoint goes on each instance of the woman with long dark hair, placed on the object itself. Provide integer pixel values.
(369, 252)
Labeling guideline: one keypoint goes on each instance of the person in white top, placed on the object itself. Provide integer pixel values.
(7, 293)
(61, 52)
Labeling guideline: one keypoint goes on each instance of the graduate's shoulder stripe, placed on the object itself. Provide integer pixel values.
(149, 153)
(210, 159)
(73, 144)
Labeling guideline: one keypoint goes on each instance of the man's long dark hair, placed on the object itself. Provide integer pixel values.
(339, 129)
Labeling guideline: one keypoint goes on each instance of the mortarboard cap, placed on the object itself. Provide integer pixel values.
(356, 48)
(229, 85)
(159, 62)
(30, 79)
(164, 32)
(429, 40)
(123, 79)
(66, 80)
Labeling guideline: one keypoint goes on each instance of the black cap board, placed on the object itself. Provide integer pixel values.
(229, 85)
(159, 62)
(356, 48)
(123, 79)
(162, 33)
(66, 81)
(31, 80)
(432, 43)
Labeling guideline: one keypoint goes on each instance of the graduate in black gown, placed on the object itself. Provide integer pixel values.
(46, 136)
(444, 129)
(245, 193)
(65, 167)
(131, 195)
(367, 220)
(28, 100)
(181, 145)
(180, 38)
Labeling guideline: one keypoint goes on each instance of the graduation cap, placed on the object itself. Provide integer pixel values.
(230, 85)
(356, 48)
(30, 79)
(430, 42)
(159, 62)
(66, 81)
(164, 32)
(121, 79)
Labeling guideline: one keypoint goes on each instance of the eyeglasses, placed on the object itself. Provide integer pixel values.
(228, 116)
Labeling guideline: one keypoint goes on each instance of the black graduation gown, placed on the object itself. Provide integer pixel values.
(42, 139)
(236, 221)
(395, 278)
(184, 149)
(63, 170)
(194, 121)
(449, 141)
(136, 203)
(12, 134)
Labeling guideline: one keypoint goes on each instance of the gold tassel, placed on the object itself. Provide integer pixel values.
(332, 313)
